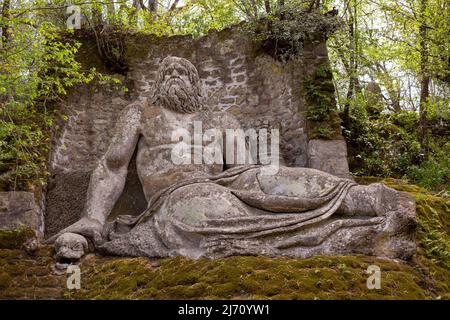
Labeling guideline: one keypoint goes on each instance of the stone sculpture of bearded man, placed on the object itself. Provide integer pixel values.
(219, 209)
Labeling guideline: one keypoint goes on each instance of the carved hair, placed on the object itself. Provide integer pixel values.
(182, 98)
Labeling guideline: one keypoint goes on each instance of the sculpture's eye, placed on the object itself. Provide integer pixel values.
(168, 72)
(181, 71)
(77, 247)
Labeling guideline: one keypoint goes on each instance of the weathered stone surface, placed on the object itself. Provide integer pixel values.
(216, 209)
(19, 211)
(66, 195)
(329, 156)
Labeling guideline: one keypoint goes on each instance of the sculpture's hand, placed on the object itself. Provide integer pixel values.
(88, 228)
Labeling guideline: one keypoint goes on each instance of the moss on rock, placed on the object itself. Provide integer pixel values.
(14, 239)
(247, 278)
(322, 115)
(24, 276)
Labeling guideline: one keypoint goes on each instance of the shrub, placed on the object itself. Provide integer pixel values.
(433, 174)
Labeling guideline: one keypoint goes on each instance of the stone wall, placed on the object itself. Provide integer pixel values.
(237, 76)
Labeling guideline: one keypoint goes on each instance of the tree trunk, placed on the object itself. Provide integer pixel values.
(424, 81)
(394, 95)
(6, 15)
(134, 13)
(393, 88)
(315, 4)
(174, 5)
(152, 6)
(97, 17)
(353, 66)
(267, 6)
(254, 10)
(280, 8)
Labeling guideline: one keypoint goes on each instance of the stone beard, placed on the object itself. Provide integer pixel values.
(177, 86)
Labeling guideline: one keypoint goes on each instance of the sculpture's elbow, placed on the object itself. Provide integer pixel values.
(104, 175)
(116, 162)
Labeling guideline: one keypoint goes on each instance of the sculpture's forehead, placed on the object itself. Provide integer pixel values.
(64, 242)
(180, 62)
(68, 239)
(175, 64)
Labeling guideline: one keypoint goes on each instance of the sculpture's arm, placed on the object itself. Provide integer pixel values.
(108, 179)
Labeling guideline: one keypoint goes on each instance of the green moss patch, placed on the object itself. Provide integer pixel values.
(23, 276)
(322, 115)
(14, 239)
(246, 278)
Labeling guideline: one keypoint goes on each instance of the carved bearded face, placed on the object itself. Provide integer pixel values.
(178, 86)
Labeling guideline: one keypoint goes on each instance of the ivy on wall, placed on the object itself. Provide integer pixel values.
(323, 118)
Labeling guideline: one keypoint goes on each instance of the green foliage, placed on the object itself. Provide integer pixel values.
(404, 34)
(433, 231)
(37, 68)
(246, 278)
(433, 174)
(324, 122)
(284, 32)
(323, 133)
(380, 145)
(205, 15)
(23, 148)
(395, 47)
(319, 93)
(194, 18)
(387, 145)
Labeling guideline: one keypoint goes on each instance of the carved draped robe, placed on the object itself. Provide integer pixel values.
(296, 212)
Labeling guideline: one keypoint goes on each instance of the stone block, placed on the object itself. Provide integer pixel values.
(329, 156)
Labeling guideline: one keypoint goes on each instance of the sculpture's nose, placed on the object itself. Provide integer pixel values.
(175, 73)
